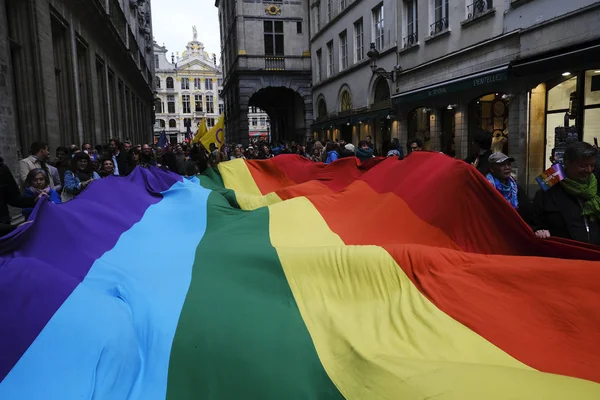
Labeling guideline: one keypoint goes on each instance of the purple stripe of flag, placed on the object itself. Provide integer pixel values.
(28, 304)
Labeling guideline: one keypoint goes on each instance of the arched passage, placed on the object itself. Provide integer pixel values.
(286, 111)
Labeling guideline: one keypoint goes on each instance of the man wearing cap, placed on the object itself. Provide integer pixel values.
(500, 176)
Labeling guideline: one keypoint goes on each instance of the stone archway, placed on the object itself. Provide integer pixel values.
(286, 111)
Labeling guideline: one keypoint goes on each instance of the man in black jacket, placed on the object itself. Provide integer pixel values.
(10, 195)
(119, 158)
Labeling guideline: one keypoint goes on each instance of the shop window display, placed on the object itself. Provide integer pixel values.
(573, 111)
(562, 125)
(591, 113)
(490, 113)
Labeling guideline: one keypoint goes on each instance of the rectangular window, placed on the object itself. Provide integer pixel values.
(208, 84)
(185, 83)
(318, 18)
(329, 10)
(359, 41)
(220, 93)
(210, 122)
(198, 103)
(263, 121)
(319, 66)
(343, 50)
(197, 83)
(343, 4)
(378, 28)
(299, 27)
(171, 104)
(273, 38)
(329, 59)
(440, 15)
(220, 82)
(221, 109)
(156, 62)
(254, 121)
(210, 104)
(158, 106)
(411, 23)
(185, 100)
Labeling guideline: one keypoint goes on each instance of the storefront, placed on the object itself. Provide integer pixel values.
(564, 101)
(357, 125)
(445, 116)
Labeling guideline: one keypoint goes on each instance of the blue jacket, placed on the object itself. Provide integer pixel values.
(53, 196)
(72, 184)
(332, 156)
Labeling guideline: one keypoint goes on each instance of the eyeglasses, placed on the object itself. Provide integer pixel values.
(82, 161)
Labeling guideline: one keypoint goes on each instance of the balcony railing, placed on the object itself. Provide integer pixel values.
(438, 26)
(479, 7)
(275, 63)
(411, 39)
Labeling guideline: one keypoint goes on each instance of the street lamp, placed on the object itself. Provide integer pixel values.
(373, 55)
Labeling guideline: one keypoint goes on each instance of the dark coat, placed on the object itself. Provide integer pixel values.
(484, 165)
(560, 213)
(10, 195)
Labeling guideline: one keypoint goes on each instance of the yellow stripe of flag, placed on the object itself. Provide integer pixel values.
(378, 337)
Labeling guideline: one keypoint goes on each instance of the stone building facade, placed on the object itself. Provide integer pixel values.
(266, 63)
(188, 89)
(74, 72)
(524, 70)
(351, 102)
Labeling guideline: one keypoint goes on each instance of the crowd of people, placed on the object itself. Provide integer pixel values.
(569, 210)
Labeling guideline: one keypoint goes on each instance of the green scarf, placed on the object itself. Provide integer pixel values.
(586, 191)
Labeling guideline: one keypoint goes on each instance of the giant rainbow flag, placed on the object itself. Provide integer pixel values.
(285, 279)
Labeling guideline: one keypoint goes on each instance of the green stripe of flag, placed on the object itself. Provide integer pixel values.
(211, 179)
(240, 334)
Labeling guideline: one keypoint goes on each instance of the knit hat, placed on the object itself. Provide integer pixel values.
(350, 147)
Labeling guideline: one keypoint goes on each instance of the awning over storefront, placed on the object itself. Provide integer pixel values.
(562, 60)
(484, 78)
(352, 119)
(257, 134)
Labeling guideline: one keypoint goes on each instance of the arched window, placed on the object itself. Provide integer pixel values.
(170, 83)
(382, 91)
(346, 101)
(321, 109)
(157, 81)
(172, 123)
(161, 123)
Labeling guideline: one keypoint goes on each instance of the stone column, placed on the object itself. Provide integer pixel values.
(461, 132)
(435, 129)
(8, 128)
(537, 137)
(517, 135)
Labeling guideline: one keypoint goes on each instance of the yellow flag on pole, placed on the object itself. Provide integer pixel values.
(216, 135)
(202, 130)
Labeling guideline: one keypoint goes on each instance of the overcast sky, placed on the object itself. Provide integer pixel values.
(172, 22)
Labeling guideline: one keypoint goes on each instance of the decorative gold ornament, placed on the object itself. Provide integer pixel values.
(273, 9)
